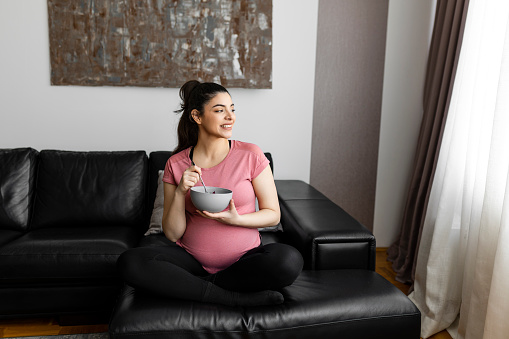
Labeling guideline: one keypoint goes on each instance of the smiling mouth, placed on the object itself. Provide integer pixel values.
(226, 126)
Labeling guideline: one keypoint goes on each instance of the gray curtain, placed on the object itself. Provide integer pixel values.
(443, 57)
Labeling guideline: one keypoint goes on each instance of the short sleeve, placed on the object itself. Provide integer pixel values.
(168, 176)
(261, 162)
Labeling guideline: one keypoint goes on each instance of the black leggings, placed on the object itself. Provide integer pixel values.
(172, 272)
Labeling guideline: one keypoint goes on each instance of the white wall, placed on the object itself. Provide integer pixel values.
(409, 29)
(35, 114)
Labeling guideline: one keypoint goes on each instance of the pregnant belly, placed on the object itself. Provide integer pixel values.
(217, 247)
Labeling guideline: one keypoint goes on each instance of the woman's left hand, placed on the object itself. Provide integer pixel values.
(229, 217)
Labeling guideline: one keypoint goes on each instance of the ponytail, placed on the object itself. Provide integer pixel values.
(193, 95)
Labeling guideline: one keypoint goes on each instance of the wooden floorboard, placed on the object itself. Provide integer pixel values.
(50, 326)
(44, 327)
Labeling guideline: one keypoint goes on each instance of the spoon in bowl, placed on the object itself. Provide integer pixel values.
(204, 187)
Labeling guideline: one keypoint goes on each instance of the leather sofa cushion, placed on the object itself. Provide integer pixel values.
(8, 235)
(16, 187)
(65, 255)
(319, 304)
(156, 162)
(50, 301)
(79, 189)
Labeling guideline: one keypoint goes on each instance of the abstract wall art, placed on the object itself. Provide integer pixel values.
(160, 43)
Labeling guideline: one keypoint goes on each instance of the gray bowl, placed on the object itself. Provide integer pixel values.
(211, 202)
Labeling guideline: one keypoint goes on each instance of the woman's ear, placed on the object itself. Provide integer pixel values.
(195, 114)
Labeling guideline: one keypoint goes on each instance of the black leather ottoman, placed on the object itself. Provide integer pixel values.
(319, 304)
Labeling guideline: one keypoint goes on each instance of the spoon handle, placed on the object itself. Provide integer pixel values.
(204, 187)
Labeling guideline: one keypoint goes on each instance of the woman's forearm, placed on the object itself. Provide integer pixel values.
(174, 215)
(262, 218)
(174, 220)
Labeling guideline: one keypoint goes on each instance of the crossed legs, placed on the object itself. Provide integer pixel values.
(172, 272)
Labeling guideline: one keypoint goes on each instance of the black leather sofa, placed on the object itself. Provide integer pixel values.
(65, 217)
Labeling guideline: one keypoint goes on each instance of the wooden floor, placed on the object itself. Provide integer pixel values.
(43, 327)
(50, 326)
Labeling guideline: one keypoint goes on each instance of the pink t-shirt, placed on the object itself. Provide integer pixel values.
(214, 244)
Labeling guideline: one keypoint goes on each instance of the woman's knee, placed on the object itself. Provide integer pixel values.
(288, 263)
(129, 263)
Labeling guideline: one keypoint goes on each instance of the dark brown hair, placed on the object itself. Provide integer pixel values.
(193, 95)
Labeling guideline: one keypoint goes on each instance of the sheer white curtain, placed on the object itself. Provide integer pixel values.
(462, 272)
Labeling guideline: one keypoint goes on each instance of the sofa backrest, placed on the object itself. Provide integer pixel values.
(157, 161)
(17, 183)
(90, 189)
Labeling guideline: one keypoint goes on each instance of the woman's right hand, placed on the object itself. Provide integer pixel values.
(189, 179)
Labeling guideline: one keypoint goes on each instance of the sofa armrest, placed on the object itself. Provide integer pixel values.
(326, 235)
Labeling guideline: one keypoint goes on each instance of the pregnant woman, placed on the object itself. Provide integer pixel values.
(218, 257)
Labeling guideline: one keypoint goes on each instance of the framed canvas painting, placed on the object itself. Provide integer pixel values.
(160, 43)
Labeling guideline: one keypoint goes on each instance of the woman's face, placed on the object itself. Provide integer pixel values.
(218, 116)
